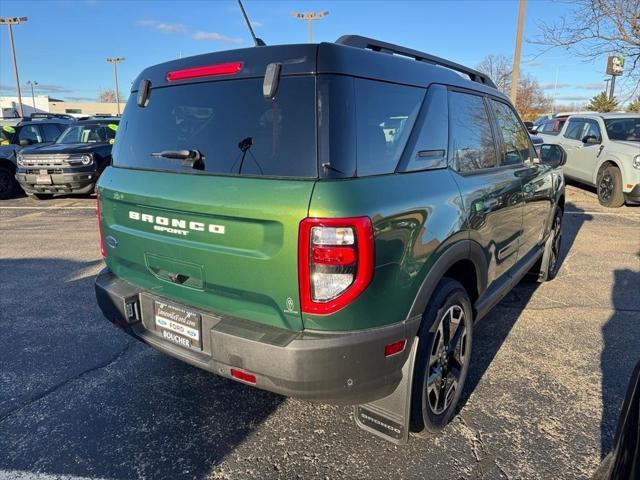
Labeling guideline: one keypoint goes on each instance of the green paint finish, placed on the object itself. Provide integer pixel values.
(415, 217)
(236, 238)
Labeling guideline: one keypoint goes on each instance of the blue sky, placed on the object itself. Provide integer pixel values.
(64, 43)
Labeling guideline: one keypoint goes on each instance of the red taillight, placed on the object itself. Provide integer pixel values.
(99, 215)
(244, 376)
(394, 348)
(335, 262)
(205, 71)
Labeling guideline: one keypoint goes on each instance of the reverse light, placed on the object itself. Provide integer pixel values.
(99, 215)
(242, 375)
(335, 262)
(205, 71)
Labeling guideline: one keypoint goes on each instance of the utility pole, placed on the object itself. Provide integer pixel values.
(613, 87)
(10, 22)
(310, 17)
(33, 97)
(518, 51)
(115, 61)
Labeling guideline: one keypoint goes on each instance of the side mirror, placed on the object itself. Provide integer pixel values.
(552, 155)
(25, 142)
(530, 127)
(591, 140)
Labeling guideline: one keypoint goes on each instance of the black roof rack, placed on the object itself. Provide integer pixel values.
(358, 41)
(50, 115)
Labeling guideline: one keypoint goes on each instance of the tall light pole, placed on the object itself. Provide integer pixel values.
(518, 50)
(10, 22)
(33, 97)
(115, 61)
(310, 17)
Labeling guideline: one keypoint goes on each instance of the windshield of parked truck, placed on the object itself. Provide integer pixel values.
(627, 129)
(88, 133)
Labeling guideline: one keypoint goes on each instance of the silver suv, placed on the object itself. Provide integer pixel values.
(603, 150)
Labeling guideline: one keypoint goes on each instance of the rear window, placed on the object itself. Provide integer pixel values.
(230, 123)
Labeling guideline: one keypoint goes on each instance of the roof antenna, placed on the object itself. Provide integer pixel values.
(258, 42)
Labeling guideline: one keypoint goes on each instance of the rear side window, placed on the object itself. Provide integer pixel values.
(515, 138)
(574, 129)
(472, 144)
(230, 123)
(385, 116)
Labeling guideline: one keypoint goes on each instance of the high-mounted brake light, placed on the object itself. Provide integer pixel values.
(205, 71)
(335, 262)
(99, 215)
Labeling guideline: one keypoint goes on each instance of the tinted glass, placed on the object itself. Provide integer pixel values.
(574, 129)
(50, 131)
(515, 138)
(385, 116)
(230, 123)
(30, 132)
(591, 130)
(429, 150)
(626, 129)
(472, 144)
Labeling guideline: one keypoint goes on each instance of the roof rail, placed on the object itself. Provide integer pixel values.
(358, 41)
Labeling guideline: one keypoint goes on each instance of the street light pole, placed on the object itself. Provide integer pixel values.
(115, 61)
(518, 50)
(33, 97)
(10, 22)
(310, 17)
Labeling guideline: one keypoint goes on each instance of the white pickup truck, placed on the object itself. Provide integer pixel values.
(603, 150)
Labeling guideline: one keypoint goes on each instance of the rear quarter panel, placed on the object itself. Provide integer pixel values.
(415, 217)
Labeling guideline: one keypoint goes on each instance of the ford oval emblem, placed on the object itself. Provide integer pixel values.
(111, 241)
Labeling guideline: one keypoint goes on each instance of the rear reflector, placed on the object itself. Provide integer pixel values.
(394, 348)
(244, 376)
(205, 71)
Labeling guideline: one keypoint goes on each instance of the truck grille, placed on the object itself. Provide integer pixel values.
(45, 160)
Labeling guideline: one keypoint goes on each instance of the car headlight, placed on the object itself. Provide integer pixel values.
(84, 159)
(636, 162)
(20, 159)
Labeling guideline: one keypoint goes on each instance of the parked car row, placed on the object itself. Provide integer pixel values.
(47, 154)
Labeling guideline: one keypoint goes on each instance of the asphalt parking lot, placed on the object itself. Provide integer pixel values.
(80, 399)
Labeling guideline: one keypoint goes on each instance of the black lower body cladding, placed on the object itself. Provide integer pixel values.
(345, 368)
(634, 195)
(78, 180)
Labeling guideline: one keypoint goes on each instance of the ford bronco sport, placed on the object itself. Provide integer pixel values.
(324, 221)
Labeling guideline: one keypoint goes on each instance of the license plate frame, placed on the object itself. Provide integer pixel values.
(178, 324)
(44, 179)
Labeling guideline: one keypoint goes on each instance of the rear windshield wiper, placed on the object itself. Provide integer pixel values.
(190, 158)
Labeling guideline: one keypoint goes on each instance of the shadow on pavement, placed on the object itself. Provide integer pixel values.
(621, 335)
(490, 333)
(79, 397)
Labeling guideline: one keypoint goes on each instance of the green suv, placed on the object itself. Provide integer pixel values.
(324, 221)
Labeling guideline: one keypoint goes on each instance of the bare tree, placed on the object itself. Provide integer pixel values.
(108, 96)
(531, 101)
(597, 28)
(499, 68)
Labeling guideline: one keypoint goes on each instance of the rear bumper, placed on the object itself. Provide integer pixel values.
(344, 368)
(634, 195)
(63, 180)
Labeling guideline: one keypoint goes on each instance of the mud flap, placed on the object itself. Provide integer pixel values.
(389, 417)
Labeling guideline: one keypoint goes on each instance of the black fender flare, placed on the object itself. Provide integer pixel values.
(461, 250)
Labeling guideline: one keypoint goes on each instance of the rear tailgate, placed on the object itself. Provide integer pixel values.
(225, 244)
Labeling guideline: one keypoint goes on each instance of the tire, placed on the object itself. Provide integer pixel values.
(548, 266)
(440, 356)
(609, 185)
(8, 184)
